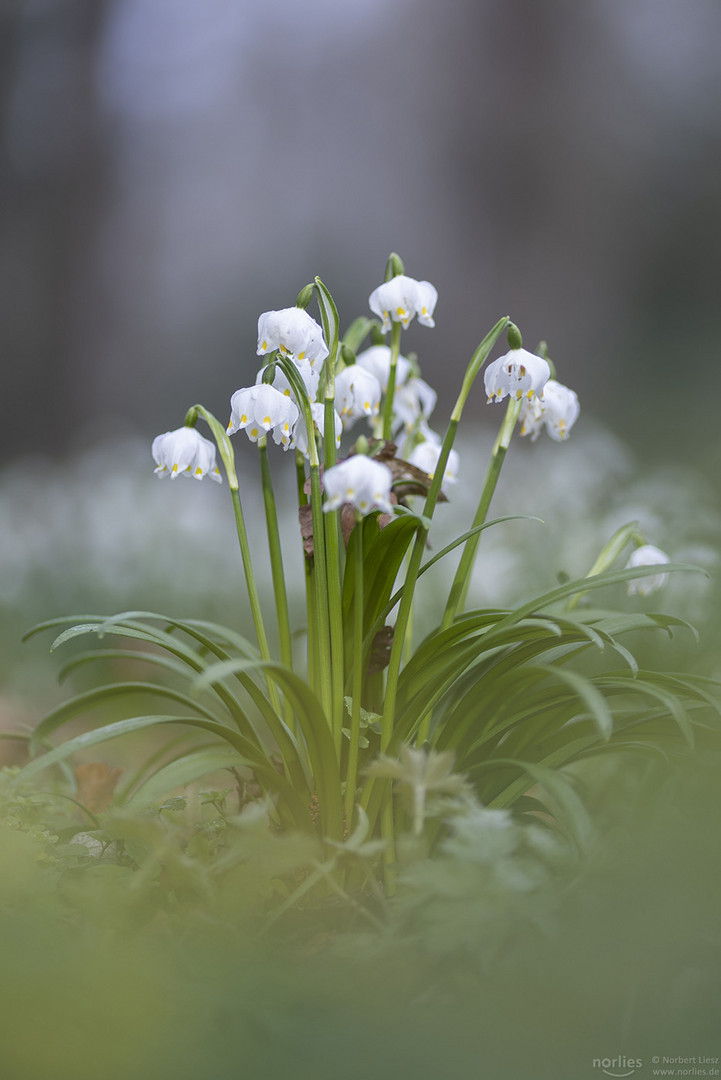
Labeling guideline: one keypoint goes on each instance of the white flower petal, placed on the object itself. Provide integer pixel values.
(184, 452)
(518, 373)
(361, 481)
(647, 555)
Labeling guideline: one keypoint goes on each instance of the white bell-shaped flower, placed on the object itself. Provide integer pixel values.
(400, 299)
(292, 331)
(258, 410)
(300, 433)
(377, 360)
(557, 411)
(184, 452)
(361, 481)
(357, 393)
(425, 457)
(413, 401)
(518, 373)
(309, 375)
(647, 555)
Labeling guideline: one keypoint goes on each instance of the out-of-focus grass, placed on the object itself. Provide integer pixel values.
(110, 971)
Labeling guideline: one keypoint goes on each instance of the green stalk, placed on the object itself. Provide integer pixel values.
(228, 457)
(312, 672)
(333, 550)
(391, 388)
(352, 773)
(318, 625)
(321, 623)
(459, 588)
(276, 565)
(253, 594)
(474, 366)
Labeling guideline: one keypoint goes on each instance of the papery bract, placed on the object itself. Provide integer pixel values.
(518, 373)
(400, 299)
(300, 434)
(361, 481)
(184, 452)
(357, 393)
(557, 410)
(291, 330)
(258, 410)
(647, 555)
(377, 360)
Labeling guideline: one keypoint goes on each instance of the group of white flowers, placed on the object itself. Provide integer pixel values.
(271, 407)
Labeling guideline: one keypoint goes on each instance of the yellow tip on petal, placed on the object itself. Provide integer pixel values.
(267, 420)
(264, 345)
(301, 355)
(198, 472)
(175, 468)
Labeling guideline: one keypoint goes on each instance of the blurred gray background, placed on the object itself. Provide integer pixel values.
(170, 168)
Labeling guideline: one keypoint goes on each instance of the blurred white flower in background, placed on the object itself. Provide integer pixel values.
(557, 411)
(647, 555)
(357, 393)
(360, 481)
(377, 360)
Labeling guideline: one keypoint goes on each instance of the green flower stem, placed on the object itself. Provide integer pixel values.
(352, 773)
(227, 455)
(474, 366)
(391, 388)
(308, 567)
(319, 625)
(334, 550)
(321, 622)
(459, 588)
(253, 594)
(276, 566)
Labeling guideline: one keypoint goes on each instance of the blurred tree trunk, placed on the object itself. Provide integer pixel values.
(53, 176)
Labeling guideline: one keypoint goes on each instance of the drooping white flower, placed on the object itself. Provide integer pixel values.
(184, 452)
(399, 299)
(647, 555)
(309, 375)
(377, 360)
(361, 481)
(300, 434)
(258, 410)
(357, 393)
(557, 410)
(414, 400)
(518, 373)
(292, 331)
(425, 457)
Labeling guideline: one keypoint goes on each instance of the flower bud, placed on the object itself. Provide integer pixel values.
(513, 334)
(305, 296)
(394, 266)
